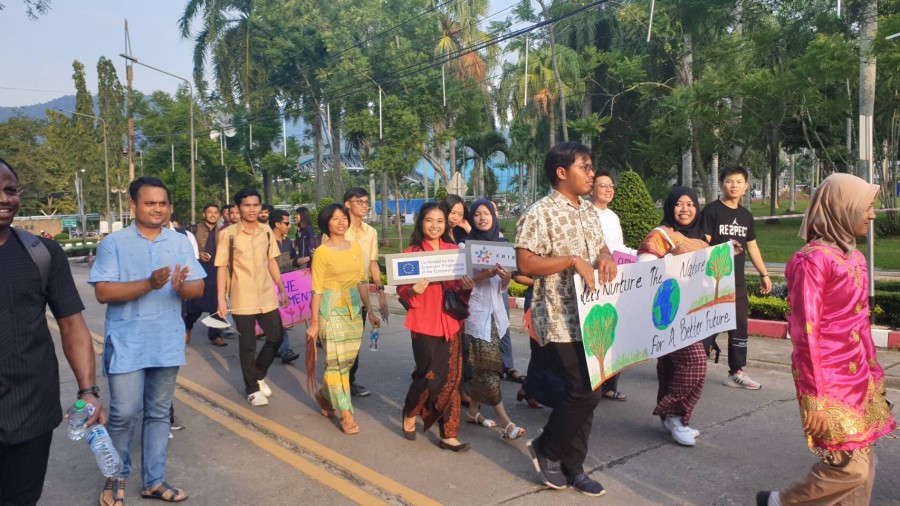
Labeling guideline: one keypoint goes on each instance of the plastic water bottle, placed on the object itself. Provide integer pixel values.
(373, 339)
(107, 457)
(79, 413)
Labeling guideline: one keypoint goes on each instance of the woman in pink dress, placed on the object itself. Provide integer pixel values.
(840, 385)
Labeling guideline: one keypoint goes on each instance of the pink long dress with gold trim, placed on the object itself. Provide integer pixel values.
(833, 361)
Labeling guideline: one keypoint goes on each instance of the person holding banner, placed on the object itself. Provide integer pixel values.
(681, 374)
(558, 236)
(280, 222)
(434, 391)
(602, 195)
(337, 272)
(487, 321)
(840, 384)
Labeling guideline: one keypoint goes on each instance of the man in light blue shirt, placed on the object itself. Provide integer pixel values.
(143, 272)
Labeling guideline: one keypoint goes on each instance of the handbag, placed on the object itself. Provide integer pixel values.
(454, 305)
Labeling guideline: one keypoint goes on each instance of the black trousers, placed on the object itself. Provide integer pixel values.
(355, 365)
(255, 369)
(565, 437)
(737, 338)
(22, 470)
(191, 318)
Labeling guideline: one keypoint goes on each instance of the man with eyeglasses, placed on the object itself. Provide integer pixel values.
(602, 194)
(357, 202)
(280, 222)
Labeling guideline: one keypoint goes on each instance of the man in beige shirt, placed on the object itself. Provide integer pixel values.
(247, 267)
(357, 202)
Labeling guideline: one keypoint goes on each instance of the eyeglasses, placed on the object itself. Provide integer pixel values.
(586, 168)
(285, 223)
(360, 202)
(607, 185)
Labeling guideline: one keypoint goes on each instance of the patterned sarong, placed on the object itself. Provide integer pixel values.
(341, 337)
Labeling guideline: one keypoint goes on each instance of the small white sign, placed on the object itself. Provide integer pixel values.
(408, 268)
(487, 254)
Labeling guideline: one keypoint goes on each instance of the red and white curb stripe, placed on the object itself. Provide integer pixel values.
(883, 338)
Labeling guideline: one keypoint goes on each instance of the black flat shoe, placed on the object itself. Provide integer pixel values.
(462, 447)
(411, 435)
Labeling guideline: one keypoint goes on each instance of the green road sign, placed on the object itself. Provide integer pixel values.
(69, 222)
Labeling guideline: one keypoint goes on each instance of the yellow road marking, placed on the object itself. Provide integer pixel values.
(329, 479)
(344, 487)
(375, 478)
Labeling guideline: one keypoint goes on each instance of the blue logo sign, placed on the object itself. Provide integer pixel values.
(410, 268)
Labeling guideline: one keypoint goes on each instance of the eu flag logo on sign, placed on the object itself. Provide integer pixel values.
(410, 268)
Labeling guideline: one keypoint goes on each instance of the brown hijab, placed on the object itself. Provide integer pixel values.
(835, 210)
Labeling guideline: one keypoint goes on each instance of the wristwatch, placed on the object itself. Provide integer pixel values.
(380, 288)
(93, 390)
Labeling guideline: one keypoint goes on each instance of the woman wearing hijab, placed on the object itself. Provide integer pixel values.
(681, 373)
(840, 385)
(487, 322)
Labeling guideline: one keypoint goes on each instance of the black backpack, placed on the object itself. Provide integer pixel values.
(39, 254)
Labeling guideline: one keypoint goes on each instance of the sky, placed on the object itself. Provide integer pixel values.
(38, 55)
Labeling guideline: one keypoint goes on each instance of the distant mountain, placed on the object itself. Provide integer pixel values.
(39, 111)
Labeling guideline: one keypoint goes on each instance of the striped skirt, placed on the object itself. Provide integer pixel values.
(341, 337)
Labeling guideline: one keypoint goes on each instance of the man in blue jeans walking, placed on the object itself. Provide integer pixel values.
(142, 273)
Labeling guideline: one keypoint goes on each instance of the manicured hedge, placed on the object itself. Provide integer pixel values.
(768, 308)
(635, 208)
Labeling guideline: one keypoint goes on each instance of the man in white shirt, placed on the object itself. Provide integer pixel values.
(602, 193)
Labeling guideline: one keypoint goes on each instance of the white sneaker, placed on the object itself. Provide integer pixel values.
(257, 399)
(264, 388)
(682, 435)
(741, 380)
(665, 430)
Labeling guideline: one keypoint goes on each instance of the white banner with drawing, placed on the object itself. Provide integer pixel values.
(653, 308)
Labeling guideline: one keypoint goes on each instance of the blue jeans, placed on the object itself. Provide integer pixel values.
(148, 393)
(285, 343)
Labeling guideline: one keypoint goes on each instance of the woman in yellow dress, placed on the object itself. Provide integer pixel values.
(337, 270)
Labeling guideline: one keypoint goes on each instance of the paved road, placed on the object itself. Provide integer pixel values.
(288, 454)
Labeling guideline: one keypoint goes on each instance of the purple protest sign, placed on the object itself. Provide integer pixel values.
(298, 285)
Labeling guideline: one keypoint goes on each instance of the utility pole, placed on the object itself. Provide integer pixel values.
(129, 75)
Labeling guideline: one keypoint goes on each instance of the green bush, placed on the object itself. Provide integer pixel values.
(768, 308)
(314, 213)
(80, 251)
(61, 237)
(516, 289)
(889, 303)
(635, 208)
(887, 286)
(440, 194)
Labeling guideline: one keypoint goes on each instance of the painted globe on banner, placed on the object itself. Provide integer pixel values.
(665, 304)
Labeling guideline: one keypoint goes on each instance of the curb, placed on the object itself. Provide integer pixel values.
(883, 338)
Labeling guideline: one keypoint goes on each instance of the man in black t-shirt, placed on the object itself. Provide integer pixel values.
(29, 372)
(722, 221)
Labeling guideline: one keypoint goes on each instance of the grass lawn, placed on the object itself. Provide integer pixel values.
(776, 241)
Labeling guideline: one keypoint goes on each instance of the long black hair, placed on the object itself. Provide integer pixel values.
(418, 237)
(458, 233)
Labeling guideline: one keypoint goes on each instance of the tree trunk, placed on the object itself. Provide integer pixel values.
(334, 124)
(792, 187)
(774, 150)
(551, 117)
(587, 106)
(737, 104)
(267, 187)
(685, 77)
(867, 64)
(452, 153)
(385, 192)
(317, 155)
(701, 171)
(440, 153)
(398, 213)
(559, 86)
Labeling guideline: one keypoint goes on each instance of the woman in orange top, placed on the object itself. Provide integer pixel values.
(436, 338)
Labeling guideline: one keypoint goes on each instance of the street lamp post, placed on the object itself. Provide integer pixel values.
(105, 160)
(191, 143)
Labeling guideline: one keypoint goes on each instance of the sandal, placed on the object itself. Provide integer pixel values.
(514, 375)
(615, 395)
(348, 424)
(515, 433)
(113, 486)
(164, 492)
(324, 406)
(484, 422)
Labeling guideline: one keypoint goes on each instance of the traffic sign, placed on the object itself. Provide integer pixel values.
(69, 222)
